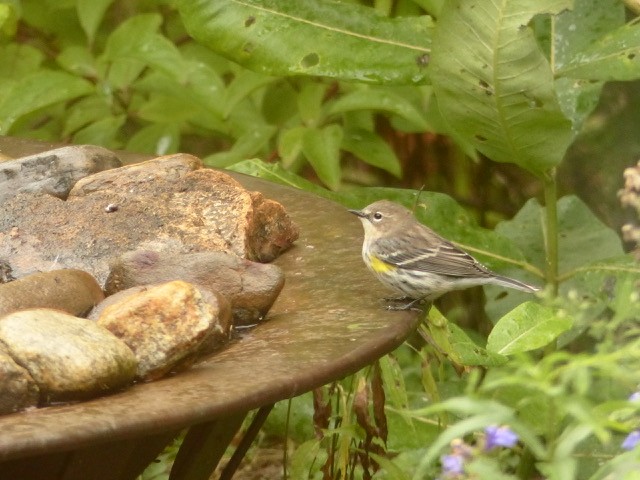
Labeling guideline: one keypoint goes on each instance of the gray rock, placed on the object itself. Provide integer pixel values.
(17, 389)
(250, 287)
(168, 326)
(73, 291)
(69, 358)
(53, 172)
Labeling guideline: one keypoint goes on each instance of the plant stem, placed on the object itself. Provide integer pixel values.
(551, 224)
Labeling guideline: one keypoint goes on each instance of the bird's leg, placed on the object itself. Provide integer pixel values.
(407, 306)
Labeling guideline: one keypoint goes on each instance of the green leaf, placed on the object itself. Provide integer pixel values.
(583, 238)
(310, 102)
(241, 87)
(494, 86)
(371, 149)
(38, 90)
(135, 44)
(157, 138)
(290, 145)
(466, 352)
(90, 14)
(86, 110)
(573, 31)
(18, 60)
(78, 60)
(275, 173)
(322, 148)
(381, 99)
(312, 37)
(103, 132)
(527, 327)
(247, 145)
(616, 56)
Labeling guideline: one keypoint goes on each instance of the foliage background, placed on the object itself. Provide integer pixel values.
(518, 117)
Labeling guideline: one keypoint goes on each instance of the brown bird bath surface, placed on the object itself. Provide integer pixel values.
(328, 322)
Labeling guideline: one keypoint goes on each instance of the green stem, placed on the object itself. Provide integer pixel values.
(551, 221)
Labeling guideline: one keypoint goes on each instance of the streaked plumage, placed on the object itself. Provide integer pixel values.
(413, 260)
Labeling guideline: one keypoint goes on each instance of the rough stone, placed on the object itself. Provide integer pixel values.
(54, 172)
(73, 291)
(17, 389)
(168, 326)
(250, 287)
(69, 358)
(168, 204)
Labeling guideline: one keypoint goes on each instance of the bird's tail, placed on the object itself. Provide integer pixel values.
(513, 283)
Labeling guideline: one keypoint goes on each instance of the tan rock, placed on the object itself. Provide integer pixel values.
(17, 389)
(73, 291)
(69, 358)
(167, 204)
(168, 326)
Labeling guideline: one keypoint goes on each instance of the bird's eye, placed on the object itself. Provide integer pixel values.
(377, 216)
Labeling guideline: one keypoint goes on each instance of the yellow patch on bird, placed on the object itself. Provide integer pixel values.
(380, 266)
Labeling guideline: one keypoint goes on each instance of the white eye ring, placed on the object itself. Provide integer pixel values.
(377, 216)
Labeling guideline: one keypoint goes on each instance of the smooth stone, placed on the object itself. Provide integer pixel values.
(250, 287)
(168, 326)
(53, 172)
(69, 358)
(18, 390)
(72, 291)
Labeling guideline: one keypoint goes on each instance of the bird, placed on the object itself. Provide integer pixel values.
(414, 261)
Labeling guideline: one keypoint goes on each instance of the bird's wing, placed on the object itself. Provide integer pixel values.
(442, 257)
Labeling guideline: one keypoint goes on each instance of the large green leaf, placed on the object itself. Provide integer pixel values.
(90, 14)
(616, 56)
(573, 31)
(527, 327)
(313, 37)
(494, 86)
(583, 238)
(38, 90)
(321, 146)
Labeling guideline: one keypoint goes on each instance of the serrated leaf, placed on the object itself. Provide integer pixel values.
(494, 86)
(372, 149)
(527, 327)
(381, 99)
(38, 90)
(90, 14)
(312, 37)
(321, 147)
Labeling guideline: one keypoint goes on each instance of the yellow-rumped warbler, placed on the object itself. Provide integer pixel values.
(412, 259)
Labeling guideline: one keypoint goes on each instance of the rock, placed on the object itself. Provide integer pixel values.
(168, 326)
(53, 172)
(17, 389)
(250, 287)
(73, 291)
(167, 204)
(69, 358)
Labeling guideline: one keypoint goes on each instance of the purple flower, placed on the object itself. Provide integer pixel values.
(634, 397)
(632, 440)
(499, 437)
(452, 465)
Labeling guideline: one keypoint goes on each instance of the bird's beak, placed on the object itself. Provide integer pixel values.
(358, 213)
